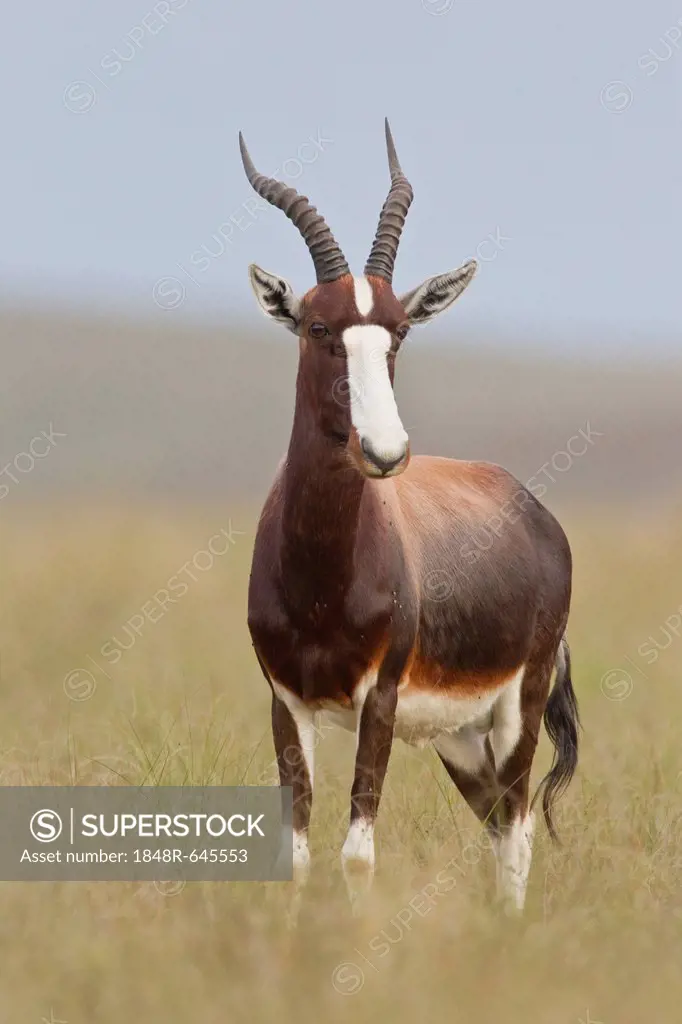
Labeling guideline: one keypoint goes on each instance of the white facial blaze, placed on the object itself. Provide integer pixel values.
(364, 296)
(372, 403)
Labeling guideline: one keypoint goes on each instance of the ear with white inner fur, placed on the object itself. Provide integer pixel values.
(437, 293)
(275, 297)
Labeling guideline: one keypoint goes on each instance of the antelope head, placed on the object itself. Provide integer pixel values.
(350, 328)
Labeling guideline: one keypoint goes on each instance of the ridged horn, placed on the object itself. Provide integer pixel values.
(329, 261)
(392, 218)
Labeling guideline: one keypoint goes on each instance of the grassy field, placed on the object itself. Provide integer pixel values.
(601, 940)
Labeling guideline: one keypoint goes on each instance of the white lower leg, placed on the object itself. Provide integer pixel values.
(513, 852)
(301, 859)
(301, 871)
(357, 858)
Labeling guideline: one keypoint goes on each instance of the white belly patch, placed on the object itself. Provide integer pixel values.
(422, 714)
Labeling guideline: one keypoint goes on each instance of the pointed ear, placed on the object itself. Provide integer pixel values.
(275, 297)
(437, 293)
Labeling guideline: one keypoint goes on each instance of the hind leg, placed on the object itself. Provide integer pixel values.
(513, 854)
(514, 736)
(499, 801)
(468, 760)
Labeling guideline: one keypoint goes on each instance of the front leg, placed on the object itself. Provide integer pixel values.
(374, 741)
(293, 732)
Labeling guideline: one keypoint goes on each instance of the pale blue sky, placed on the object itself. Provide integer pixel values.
(504, 115)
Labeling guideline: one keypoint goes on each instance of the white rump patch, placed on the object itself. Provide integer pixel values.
(507, 721)
(364, 296)
(372, 402)
(513, 852)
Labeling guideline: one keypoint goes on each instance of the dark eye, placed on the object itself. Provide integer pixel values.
(318, 330)
(401, 332)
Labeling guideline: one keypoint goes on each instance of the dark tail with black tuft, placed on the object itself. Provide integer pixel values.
(562, 722)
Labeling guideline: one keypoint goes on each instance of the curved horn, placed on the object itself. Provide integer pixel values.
(329, 261)
(392, 218)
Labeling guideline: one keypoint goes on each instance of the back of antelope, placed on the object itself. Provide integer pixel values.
(369, 597)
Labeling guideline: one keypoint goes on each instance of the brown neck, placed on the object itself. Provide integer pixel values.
(322, 495)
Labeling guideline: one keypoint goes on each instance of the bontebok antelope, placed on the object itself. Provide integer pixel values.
(421, 598)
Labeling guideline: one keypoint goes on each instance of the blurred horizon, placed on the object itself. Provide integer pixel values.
(193, 412)
(542, 144)
(579, 342)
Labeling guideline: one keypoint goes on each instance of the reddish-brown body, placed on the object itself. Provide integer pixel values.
(420, 597)
(391, 566)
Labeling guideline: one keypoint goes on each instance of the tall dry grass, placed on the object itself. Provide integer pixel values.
(601, 939)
